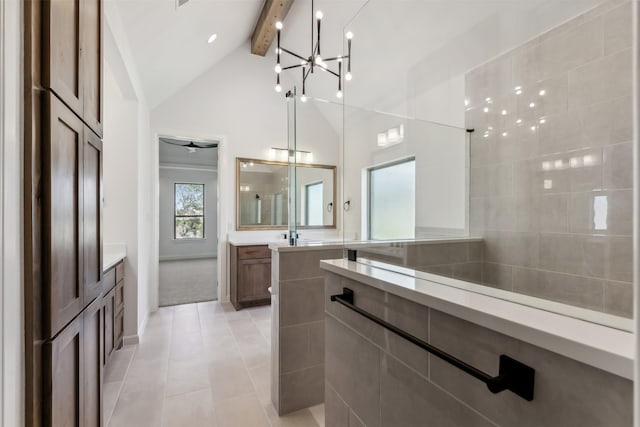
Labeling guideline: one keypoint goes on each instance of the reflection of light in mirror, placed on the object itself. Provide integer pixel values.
(574, 162)
(486, 135)
(588, 160)
(244, 165)
(542, 92)
(503, 112)
(600, 209)
(245, 188)
(505, 134)
(519, 121)
(542, 120)
(546, 166)
(533, 128)
(548, 184)
(486, 109)
(466, 102)
(490, 127)
(558, 164)
(531, 105)
(489, 101)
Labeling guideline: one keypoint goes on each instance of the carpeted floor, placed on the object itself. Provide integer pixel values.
(188, 281)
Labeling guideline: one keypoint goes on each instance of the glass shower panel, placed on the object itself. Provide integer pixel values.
(519, 115)
(292, 160)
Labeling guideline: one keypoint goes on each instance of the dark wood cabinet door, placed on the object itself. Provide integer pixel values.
(254, 276)
(62, 213)
(108, 316)
(62, 64)
(92, 216)
(91, 12)
(118, 330)
(65, 367)
(93, 353)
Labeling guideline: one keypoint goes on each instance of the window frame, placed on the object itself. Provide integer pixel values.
(176, 216)
(369, 196)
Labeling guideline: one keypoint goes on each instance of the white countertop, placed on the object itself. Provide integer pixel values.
(603, 347)
(283, 246)
(112, 254)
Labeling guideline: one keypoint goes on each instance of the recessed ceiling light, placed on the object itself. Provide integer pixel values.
(212, 38)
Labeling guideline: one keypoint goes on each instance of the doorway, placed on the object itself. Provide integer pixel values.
(187, 220)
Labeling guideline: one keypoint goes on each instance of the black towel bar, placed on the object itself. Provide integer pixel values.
(513, 375)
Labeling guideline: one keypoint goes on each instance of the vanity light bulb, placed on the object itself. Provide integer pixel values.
(349, 35)
(278, 88)
(279, 25)
(319, 14)
(339, 94)
(348, 77)
(303, 98)
(278, 69)
(319, 60)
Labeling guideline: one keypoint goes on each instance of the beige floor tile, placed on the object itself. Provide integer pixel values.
(242, 411)
(229, 378)
(189, 409)
(318, 414)
(186, 377)
(146, 376)
(302, 418)
(118, 365)
(109, 398)
(138, 409)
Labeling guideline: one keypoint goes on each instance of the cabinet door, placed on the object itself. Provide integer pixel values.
(92, 216)
(254, 276)
(93, 353)
(108, 316)
(62, 212)
(65, 366)
(92, 45)
(62, 69)
(118, 330)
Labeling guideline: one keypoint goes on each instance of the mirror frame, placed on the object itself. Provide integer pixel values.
(240, 227)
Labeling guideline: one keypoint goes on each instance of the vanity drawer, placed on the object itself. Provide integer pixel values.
(109, 280)
(119, 271)
(253, 252)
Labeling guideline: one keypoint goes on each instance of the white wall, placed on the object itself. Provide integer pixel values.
(235, 103)
(128, 208)
(11, 226)
(170, 248)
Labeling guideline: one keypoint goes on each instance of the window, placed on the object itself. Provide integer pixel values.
(392, 194)
(314, 203)
(189, 211)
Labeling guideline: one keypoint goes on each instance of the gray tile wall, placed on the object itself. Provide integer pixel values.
(297, 334)
(375, 379)
(550, 178)
(460, 260)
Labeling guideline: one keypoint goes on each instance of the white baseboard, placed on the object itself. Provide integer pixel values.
(131, 340)
(187, 257)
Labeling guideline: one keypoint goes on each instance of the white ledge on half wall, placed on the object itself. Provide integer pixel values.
(603, 347)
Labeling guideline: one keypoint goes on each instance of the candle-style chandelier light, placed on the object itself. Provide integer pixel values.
(315, 60)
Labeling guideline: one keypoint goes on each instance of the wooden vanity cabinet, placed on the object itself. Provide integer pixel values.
(250, 269)
(113, 311)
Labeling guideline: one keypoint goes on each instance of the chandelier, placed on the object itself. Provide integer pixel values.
(315, 60)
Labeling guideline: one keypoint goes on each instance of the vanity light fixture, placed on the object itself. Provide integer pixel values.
(315, 59)
(285, 155)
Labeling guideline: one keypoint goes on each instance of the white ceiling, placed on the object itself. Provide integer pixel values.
(170, 45)
(393, 38)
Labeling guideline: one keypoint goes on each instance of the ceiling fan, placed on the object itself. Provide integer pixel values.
(191, 146)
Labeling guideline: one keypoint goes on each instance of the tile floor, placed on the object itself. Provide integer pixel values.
(201, 364)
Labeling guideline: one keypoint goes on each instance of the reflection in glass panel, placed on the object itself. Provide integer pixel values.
(314, 203)
(392, 200)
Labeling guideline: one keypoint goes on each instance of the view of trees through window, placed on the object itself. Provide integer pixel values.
(189, 211)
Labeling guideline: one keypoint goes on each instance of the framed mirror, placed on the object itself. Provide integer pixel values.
(262, 195)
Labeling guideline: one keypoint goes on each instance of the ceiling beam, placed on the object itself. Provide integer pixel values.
(265, 31)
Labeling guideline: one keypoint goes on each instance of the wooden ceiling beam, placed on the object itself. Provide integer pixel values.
(265, 31)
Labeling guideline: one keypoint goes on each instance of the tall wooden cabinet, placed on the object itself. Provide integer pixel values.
(64, 289)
